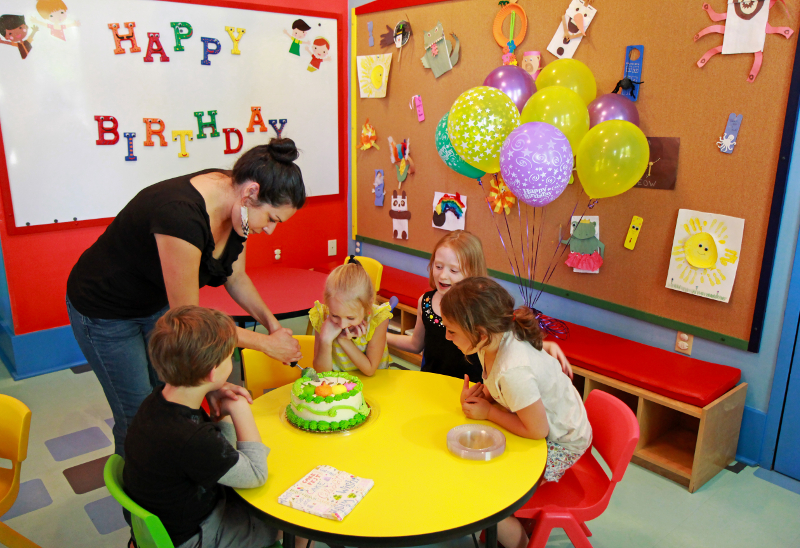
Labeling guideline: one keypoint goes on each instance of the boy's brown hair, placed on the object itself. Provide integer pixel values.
(188, 342)
(467, 248)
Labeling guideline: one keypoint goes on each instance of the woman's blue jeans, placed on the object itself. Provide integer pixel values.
(117, 352)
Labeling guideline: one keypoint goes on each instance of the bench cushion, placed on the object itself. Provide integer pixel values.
(407, 287)
(667, 373)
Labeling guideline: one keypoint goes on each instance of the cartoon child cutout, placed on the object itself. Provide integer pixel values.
(54, 13)
(319, 51)
(532, 63)
(13, 31)
(299, 30)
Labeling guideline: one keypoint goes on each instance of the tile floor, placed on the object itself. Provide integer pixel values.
(63, 503)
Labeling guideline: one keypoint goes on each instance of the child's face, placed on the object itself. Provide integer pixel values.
(58, 16)
(299, 34)
(17, 34)
(320, 52)
(446, 270)
(223, 371)
(454, 333)
(345, 315)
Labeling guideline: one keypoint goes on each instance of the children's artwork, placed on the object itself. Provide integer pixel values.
(397, 36)
(400, 216)
(401, 158)
(319, 51)
(586, 249)
(633, 232)
(632, 76)
(369, 137)
(705, 254)
(416, 100)
(439, 56)
(54, 16)
(500, 197)
(378, 190)
(532, 63)
(369, 31)
(299, 30)
(517, 21)
(373, 75)
(573, 27)
(662, 169)
(449, 211)
(745, 31)
(326, 492)
(14, 32)
(728, 139)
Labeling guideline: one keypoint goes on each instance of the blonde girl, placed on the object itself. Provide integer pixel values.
(350, 329)
(54, 13)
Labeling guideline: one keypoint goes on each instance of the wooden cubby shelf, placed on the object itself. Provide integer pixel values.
(405, 318)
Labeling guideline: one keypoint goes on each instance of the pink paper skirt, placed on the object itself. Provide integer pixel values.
(585, 262)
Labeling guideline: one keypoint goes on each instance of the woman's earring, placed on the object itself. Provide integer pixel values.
(245, 222)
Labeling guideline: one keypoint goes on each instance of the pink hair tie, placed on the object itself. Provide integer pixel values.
(514, 316)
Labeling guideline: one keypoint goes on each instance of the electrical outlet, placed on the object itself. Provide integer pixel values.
(683, 343)
(277, 255)
(331, 248)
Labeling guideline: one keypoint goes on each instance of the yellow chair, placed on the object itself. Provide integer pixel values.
(374, 269)
(262, 372)
(15, 427)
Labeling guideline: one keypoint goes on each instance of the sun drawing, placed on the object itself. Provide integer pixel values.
(373, 75)
(698, 254)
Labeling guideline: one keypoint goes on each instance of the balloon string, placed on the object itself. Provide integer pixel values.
(592, 203)
(511, 240)
(497, 226)
(524, 282)
(552, 326)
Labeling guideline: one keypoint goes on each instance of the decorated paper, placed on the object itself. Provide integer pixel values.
(236, 34)
(400, 216)
(532, 63)
(55, 18)
(416, 101)
(662, 167)
(705, 254)
(378, 189)
(371, 38)
(278, 128)
(373, 75)
(633, 72)
(208, 50)
(400, 154)
(182, 135)
(633, 232)
(319, 50)
(17, 33)
(571, 29)
(500, 197)
(728, 139)
(130, 36)
(179, 28)
(369, 136)
(586, 250)
(228, 148)
(439, 56)
(299, 30)
(327, 492)
(449, 211)
(154, 46)
(201, 125)
(256, 120)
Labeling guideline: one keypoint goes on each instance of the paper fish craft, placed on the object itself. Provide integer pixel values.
(439, 56)
(401, 158)
(455, 205)
(586, 251)
(369, 137)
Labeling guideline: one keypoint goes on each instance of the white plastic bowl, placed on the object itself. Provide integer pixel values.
(476, 442)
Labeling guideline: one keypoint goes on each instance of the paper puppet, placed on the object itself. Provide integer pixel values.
(319, 51)
(728, 139)
(518, 26)
(745, 31)
(500, 197)
(439, 56)
(54, 17)
(13, 31)
(378, 190)
(373, 75)
(586, 250)
(449, 211)
(401, 158)
(633, 232)
(573, 27)
(369, 137)
(398, 37)
(705, 253)
(400, 216)
(299, 30)
(532, 63)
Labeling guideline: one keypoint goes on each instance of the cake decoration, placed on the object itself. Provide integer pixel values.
(337, 403)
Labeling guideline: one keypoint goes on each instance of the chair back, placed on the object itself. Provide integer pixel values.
(148, 530)
(262, 372)
(615, 430)
(374, 269)
(15, 427)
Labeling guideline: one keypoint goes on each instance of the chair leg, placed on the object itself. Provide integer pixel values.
(586, 529)
(576, 534)
(12, 539)
(547, 521)
(541, 532)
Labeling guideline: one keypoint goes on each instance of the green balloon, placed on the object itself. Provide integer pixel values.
(449, 155)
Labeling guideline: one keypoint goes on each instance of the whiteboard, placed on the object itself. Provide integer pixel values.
(48, 101)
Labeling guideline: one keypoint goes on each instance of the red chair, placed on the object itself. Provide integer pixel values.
(584, 491)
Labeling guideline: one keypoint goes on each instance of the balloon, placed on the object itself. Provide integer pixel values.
(514, 82)
(612, 107)
(448, 153)
(559, 107)
(571, 74)
(536, 163)
(612, 158)
(479, 122)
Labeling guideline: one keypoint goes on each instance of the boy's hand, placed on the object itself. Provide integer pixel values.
(476, 408)
(329, 331)
(227, 392)
(474, 391)
(232, 407)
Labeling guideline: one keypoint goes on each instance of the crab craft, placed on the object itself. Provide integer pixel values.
(745, 31)
(586, 251)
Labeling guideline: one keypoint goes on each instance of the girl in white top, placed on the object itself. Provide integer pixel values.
(524, 389)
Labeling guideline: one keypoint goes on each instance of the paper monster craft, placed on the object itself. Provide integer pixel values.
(400, 216)
(745, 31)
(586, 251)
(369, 137)
(401, 158)
(439, 56)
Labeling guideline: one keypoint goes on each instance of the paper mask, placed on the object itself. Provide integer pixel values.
(586, 249)
(439, 56)
(400, 216)
(369, 137)
(373, 75)
(573, 27)
(449, 211)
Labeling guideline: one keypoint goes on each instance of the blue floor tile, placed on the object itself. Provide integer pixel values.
(106, 515)
(778, 479)
(77, 443)
(32, 496)
(110, 423)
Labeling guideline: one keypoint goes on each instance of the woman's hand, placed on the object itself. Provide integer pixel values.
(476, 408)
(329, 331)
(227, 391)
(282, 346)
(474, 391)
(554, 350)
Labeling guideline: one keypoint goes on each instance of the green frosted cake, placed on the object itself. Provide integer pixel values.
(334, 403)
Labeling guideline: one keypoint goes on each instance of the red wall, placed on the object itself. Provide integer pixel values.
(37, 265)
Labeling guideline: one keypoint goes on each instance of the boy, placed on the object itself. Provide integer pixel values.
(321, 47)
(299, 30)
(177, 460)
(14, 30)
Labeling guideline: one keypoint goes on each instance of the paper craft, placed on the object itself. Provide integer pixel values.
(154, 46)
(728, 139)
(130, 136)
(178, 29)
(369, 30)
(416, 100)
(299, 30)
(326, 492)
(119, 38)
(586, 249)
(378, 190)
(397, 36)
(745, 31)
(532, 63)
(439, 56)
(373, 75)
(573, 27)
(319, 50)
(278, 128)
(369, 138)
(632, 76)
(500, 197)
(54, 17)
(400, 216)
(449, 211)
(705, 254)
(662, 169)
(401, 158)
(633, 232)
(519, 21)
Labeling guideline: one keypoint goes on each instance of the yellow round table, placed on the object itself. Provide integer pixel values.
(423, 494)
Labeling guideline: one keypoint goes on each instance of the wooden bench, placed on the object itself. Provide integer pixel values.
(408, 288)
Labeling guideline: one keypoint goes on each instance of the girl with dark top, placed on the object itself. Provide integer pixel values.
(456, 256)
(173, 238)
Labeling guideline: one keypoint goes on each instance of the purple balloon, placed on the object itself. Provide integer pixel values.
(612, 107)
(536, 163)
(514, 82)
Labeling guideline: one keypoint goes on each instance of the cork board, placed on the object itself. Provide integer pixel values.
(678, 99)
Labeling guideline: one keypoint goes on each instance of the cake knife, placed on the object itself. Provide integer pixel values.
(306, 372)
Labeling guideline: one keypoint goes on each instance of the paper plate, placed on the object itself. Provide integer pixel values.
(476, 442)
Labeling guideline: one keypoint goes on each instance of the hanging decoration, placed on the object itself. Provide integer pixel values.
(369, 138)
(439, 56)
(401, 158)
(586, 249)
(573, 27)
(500, 197)
(400, 216)
(518, 21)
(449, 211)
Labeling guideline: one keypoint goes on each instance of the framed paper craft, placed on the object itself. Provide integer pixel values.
(373, 75)
(662, 169)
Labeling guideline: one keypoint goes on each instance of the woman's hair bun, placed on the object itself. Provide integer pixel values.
(283, 150)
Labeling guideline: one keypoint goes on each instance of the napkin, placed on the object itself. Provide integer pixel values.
(326, 492)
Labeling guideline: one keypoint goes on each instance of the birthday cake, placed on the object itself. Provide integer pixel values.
(334, 403)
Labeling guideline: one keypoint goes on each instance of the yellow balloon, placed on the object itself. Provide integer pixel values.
(479, 122)
(612, 158)
(559, 107)
(570, 74)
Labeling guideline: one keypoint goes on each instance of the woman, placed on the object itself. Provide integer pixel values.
(171, 239)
